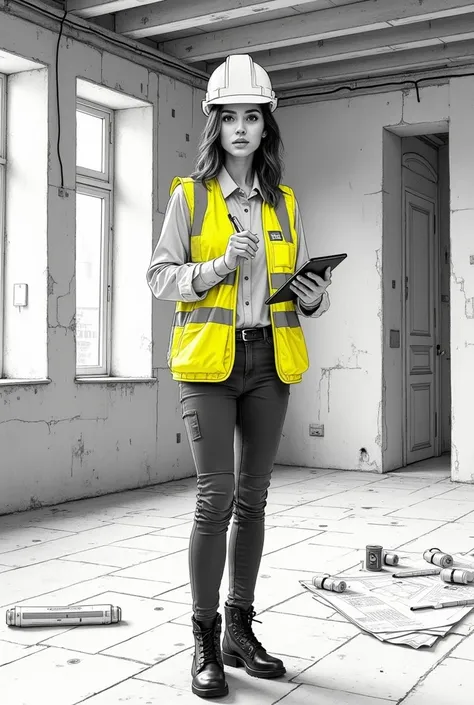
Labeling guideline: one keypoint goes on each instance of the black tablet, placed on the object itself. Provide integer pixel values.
(317, 265)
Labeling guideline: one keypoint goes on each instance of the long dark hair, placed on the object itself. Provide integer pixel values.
(267, 160)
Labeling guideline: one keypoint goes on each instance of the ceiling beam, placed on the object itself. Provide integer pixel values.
(95, 8)
(359, 45)
(367, 16)
(397, 62)
(168, 16)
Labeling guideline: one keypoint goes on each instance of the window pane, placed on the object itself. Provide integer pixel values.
(90, 141)
(89, 291)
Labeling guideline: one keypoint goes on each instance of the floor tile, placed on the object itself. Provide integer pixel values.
(450, 682)
(10, 652)
(156, 542)
(61, 677)
(172, 569)
(279, 538)
(462, 493)
(451, 538)
(153, 521)
(439, 509)
(182, 530)
(299, 636)
(29, 582)
(369, 667)
(244, 690)
(140, 614)
(312, 695)
(20, 538)
(465, 650)
(62, 547)
(315, 511)
(304, 606)
(139, 692)
(310, 556)
(116, 556)
(155, 645)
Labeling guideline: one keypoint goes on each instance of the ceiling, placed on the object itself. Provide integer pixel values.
(306, 45)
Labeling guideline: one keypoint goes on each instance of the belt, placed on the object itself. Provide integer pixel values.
(249, 335)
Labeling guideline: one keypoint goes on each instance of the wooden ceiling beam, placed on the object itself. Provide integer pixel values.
(169, 16)
(359, 45)
(368, 16)
(96, 8)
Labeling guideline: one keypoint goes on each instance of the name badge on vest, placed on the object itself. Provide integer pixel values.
(275, 235)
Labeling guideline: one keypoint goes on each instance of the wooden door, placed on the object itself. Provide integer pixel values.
(420, 200)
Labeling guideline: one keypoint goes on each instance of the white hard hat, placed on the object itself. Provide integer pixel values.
(239, 80)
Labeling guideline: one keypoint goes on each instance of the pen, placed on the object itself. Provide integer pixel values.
(440, 605)
(236, 223)
(416, 573)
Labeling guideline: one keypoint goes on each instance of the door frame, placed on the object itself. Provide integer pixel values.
(393, 407)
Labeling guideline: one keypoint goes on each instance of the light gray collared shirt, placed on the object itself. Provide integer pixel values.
(172, 277)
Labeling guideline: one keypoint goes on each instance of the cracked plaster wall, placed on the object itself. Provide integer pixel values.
(64, 440)
(334, 160)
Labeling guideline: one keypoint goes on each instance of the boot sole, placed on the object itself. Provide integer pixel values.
(238, 662)
(210, 692)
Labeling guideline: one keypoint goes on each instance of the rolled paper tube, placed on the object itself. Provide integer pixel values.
(437, 557)
(461, 577)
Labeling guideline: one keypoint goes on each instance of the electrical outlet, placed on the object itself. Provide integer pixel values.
(316, 429)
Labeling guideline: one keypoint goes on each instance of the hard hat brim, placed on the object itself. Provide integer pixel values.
(239, 99)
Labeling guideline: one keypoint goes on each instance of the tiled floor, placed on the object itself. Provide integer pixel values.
(130, 549)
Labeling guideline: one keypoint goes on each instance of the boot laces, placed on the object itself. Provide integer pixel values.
(209, 640)
(249, 617)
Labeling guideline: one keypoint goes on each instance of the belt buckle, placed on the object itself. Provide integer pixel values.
(244, 334)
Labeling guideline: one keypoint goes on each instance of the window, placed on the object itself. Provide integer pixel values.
(3, 168)
(94, 211)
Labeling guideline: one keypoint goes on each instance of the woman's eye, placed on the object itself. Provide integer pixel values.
(253, 118)
(227, 118)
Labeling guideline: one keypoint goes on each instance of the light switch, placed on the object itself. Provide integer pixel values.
(20, 294)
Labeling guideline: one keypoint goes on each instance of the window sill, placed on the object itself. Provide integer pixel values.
(115, 380)
(10, 382)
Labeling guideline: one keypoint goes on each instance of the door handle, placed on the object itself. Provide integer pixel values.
(439, 351)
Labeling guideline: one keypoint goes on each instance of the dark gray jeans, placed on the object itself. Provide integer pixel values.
(234, 429)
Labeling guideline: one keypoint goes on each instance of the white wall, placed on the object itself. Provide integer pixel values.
(462, 276)
(334, 160)
(63, 440)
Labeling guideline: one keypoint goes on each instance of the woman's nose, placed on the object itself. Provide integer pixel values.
(240, 129)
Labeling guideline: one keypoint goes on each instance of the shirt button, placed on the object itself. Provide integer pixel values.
(246, 279)
(246, 210)
(247, 303)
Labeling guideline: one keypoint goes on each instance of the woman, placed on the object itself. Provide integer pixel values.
(234, 356)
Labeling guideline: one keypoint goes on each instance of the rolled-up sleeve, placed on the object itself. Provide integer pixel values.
(301, 258)
(171, 276)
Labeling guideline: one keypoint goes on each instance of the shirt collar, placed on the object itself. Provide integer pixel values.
(228, 185)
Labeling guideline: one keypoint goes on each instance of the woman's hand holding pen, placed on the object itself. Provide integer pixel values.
(310, 287)
(241, 246)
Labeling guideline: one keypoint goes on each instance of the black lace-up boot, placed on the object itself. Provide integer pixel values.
(207, 669)
(240, 646)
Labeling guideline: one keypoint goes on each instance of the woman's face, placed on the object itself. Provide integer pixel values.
(241, 129)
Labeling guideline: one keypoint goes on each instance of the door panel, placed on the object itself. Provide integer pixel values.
(420, 205)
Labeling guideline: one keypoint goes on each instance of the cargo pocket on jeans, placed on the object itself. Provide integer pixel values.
(192, 421)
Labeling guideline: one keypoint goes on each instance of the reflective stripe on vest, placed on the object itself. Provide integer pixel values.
(283, 217)
(203, 315)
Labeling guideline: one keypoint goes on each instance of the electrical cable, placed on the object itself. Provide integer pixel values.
(412, 81)
(58, 108)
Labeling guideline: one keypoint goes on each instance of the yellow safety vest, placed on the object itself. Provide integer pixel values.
(202, 344)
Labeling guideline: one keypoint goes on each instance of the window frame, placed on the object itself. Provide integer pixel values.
(3, 193)
(99, 184)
